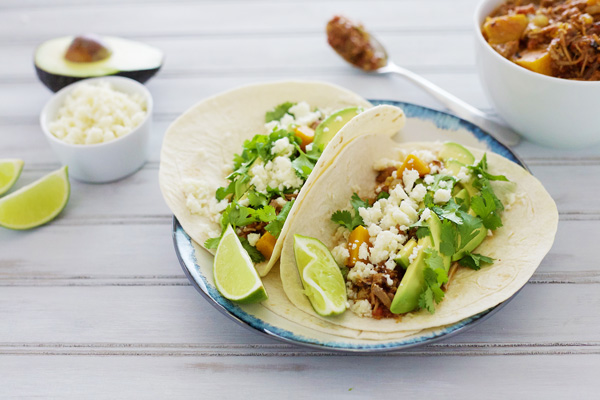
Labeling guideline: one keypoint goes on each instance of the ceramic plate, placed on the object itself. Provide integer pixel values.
(423, 124)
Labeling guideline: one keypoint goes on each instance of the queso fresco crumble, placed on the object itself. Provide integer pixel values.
(97, 113)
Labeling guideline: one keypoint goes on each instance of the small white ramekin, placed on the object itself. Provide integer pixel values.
(107, 161)
(550, 111)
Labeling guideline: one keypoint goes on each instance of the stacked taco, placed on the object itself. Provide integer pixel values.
(421, 234)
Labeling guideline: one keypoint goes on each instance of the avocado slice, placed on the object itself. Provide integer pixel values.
(406, 251)
(454, 151)
(108, 55)
(406, 298)
(435, 228)
(332, 124)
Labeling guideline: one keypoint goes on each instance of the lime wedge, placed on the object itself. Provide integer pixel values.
(322, 278)
(10, 170)
(36, 203)
(235, 275)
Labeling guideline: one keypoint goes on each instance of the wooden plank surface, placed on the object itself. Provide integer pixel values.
(95, 305)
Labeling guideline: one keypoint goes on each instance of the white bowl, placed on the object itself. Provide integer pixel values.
(107, 161)
(547, 110)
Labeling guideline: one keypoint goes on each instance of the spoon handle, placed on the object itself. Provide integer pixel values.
(500, 132)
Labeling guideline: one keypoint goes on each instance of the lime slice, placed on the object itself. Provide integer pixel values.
(322, 278)
(10, 170)
(235, 275)
(37, 203)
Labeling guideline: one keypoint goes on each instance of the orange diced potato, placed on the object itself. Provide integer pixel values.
(266, 244)
(357, 237)
(537, 61)
(305, 134)
(413, 162)
(505, 28)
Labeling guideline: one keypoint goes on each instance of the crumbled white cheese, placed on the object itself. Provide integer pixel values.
(385, 243)
(414, 254)
(253, 238)
(277, 173)
(442, 196)
(363, 251)
(97, 113)
(397, 194)
(200, 200)
(425, 155)
(303, 115)
(280, 201)
(282, 147)
(390, 264)
(326, 129)
(338, 118)
(362, 308)
(374, 230)
(309, 146)
(418, 193)
(409, 177)
(286, 121)
(464, 175)
(271, 126)
(373, 214)
(340, 254)
(388, 279)
(360, 272)
(429, 179)
(384, 163)
(425, 214)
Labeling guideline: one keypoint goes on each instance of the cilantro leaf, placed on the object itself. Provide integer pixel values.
(256, 199)
(275, 226)
(357, 202)
(449, 212)
(426, 301)
(448, 239)
(265, 214)
(481, 169)
(343, 218)
(303, 165)
(278, 112)
(485, 207)
(474, 261)
(212, 243)
(422, 231)
(346, 219)
(223, 192)
(255, 255)
(382, 195)
(468, 230)
(428, 200)
(435, 276)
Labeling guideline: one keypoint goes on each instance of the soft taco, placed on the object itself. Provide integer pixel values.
(245, 158)
(424, 234)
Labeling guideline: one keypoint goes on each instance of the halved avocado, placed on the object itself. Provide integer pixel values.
(108, 56)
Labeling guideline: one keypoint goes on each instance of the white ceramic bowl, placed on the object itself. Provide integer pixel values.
(550, 111)
(108, 161)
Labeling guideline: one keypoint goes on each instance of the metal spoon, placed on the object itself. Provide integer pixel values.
(500, 132)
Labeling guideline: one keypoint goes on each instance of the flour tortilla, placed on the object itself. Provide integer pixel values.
(530, 224)
(202, 142)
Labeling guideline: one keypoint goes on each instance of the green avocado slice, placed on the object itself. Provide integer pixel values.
(406, 298)
(332, 124)
(457, 152)
(406, 251)
(435, 227)
(127, 58)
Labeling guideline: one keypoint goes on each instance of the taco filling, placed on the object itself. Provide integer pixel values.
(399, 247)
(264, 181)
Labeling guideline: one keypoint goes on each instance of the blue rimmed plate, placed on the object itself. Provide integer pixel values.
(423, 124)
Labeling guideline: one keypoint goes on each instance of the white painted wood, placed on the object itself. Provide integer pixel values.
(96, 305)
(561, 314)
(490, 377)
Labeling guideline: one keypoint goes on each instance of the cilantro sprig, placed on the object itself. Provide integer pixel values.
(474, 261)
(351, 220)
(435, 277)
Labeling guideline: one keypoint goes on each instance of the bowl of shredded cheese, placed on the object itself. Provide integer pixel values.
(99, 127)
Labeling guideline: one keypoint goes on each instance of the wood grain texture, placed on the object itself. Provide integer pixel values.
(95, 305)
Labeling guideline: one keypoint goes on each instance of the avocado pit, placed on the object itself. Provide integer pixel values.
(87, 48)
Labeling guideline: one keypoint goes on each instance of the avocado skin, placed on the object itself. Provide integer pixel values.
(56, 82)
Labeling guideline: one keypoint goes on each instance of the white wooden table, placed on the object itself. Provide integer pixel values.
(95, 303)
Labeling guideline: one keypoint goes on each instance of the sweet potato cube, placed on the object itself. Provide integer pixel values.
(505, 28)
(305, 134)
(266, 244)
(413, 162)
(537, 61)
(357, 237)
